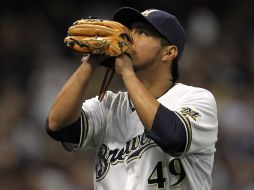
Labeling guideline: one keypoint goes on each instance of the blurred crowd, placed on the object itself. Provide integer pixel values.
(34, 64)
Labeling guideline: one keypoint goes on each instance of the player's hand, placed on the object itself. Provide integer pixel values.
(93, 60)
(123, 65)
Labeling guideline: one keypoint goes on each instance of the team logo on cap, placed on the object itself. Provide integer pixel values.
(147, 12)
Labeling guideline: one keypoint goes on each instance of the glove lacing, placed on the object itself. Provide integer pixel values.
(106, 82)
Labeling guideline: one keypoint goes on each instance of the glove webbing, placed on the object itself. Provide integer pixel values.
(106, 81)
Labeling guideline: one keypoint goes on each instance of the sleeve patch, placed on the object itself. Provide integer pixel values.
(188, 112)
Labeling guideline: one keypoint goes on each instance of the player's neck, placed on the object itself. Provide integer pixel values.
(156, 82)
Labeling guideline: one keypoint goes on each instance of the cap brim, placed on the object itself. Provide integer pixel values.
(127, 16)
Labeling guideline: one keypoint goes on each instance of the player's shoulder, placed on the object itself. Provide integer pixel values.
(109, 98)
(112, 97)
(186, 93)
(192, 90)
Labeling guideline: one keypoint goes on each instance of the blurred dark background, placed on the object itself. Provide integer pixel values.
(34, 64)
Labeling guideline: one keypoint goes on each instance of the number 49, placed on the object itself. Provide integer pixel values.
(157, 175)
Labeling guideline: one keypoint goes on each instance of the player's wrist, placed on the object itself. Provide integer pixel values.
(86, 68)
(127, 74)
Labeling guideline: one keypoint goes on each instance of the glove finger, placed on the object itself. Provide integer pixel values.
(110, 27)
(87, 45)
(90, 30)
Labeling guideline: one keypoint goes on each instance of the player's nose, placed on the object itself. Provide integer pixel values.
(133, 34)
(134, 37)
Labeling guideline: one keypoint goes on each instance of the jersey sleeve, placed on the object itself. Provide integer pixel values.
(93, 122)
(80, 136)
(198, 112)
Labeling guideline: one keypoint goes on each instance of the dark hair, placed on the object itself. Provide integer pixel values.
(174, 66)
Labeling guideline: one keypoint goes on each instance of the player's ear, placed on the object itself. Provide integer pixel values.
(169, 53)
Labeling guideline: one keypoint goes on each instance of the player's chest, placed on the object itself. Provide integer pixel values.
(122, 128)
(115, 157)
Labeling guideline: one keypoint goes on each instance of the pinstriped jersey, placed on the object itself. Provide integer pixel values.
(128, 159)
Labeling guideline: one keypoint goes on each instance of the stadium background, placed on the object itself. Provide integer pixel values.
(34, 64)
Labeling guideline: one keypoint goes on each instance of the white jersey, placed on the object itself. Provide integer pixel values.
(127, 159)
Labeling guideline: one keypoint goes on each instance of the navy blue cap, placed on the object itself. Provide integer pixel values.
(165, 23)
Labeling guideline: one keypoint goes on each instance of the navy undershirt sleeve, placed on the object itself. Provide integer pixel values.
(68, 134)
(168, 131)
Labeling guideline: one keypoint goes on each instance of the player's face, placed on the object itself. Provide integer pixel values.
(146, 46)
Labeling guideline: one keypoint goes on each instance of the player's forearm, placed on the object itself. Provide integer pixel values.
(145, 104)
(68, 104)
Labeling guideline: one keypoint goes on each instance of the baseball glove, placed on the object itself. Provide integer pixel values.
(98, 36)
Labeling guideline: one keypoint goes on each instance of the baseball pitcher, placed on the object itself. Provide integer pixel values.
(159, 134)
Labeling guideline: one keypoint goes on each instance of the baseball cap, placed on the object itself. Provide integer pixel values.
(165, 23)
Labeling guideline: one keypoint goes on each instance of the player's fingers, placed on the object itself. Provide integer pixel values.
(93, 59)
(85, 58)
(124, 55)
